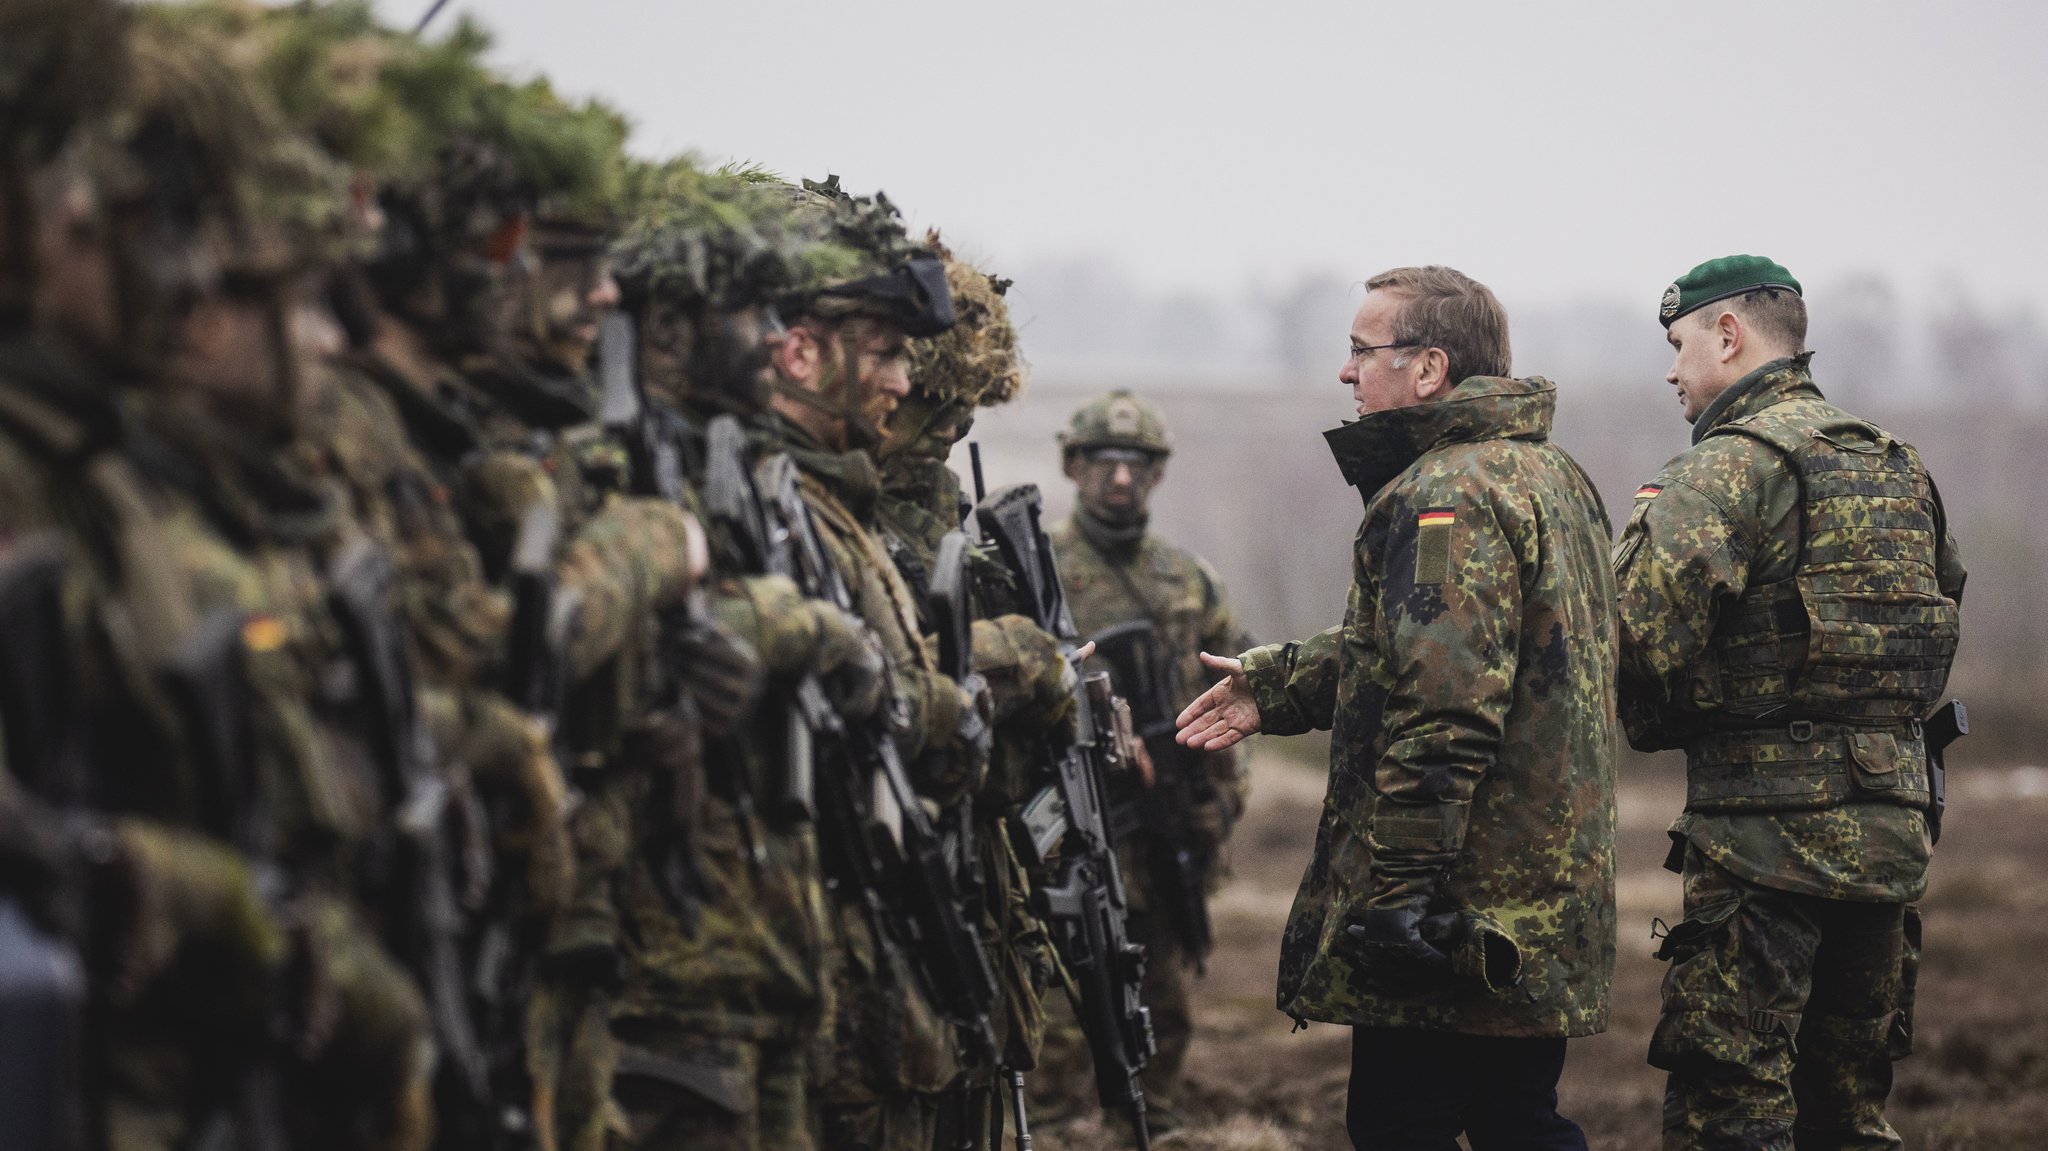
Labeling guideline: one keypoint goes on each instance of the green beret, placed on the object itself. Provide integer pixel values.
(1720, 279)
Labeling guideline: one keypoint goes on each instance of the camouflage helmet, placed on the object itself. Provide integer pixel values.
(1118, 420)
(253, 199)
(700, 265)
(698, 241)
(854, 258)
(975, 362)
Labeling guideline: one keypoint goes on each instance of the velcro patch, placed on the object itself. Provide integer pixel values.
(1400, 831)
(1433, 544)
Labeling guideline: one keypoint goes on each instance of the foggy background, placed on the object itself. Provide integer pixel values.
(1189, 196)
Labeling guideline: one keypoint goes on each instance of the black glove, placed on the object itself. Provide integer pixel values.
(1398, 931)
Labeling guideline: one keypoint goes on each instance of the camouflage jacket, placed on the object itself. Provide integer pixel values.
(1113, 577)
(1470, 695)
(918, 505)
(193, 578)
(1719, 519)
(886, 1041)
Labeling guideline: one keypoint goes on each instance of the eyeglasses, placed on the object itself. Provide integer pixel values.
(1140, 463)
(1360, 351)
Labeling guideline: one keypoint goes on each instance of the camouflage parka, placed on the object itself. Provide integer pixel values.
(1470, 697)
(1721, 528)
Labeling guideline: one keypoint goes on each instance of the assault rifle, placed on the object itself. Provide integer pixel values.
(1144, 672)
(1066, 828)
(882, 842)
(653, 438)
(732, 499)
(1949, 723)
(428, 931)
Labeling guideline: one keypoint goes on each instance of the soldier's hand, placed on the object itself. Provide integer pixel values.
(1030, 681)
(1222, 716)
(722, 673)
(849, 660)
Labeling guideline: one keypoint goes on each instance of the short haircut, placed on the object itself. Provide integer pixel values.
(1776, 315)
(1444, 308)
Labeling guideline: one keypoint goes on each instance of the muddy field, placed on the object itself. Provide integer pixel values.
(1979, 1079)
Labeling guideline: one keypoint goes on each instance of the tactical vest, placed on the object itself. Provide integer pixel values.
(1822, 677)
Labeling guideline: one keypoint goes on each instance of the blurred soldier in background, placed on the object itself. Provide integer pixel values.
(196, 689)
(1459, 910)
(1152, 607)
(1789, 609)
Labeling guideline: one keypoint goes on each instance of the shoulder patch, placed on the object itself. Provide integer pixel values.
(1433, 544)
(1649, 491)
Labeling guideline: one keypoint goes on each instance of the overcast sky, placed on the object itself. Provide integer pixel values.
(1551, 149)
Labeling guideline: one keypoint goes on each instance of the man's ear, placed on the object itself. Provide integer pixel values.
(1730, 335)
(1432, 377)
(1070, 465)
(797, 356)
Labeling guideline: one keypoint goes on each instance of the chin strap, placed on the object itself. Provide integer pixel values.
(831, 397)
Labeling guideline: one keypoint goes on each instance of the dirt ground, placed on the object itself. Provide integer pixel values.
(1978, 1080)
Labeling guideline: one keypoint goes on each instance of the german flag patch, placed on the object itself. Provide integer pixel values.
(1433, 544)
(1649, 491)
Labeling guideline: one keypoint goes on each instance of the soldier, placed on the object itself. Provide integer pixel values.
(1168, 606)
(1031, 684)
(250, 1003)
(838, 374)
(724, 992)
(542, 671)
(1789, 608)
(1459, 910)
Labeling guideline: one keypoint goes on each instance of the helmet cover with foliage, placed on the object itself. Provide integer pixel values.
(261, 200)
(1118, 420)
(700, 264)
(976, 361)
(860, 261)
(697, 241)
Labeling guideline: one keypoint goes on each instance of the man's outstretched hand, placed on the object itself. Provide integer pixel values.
(1224, 714)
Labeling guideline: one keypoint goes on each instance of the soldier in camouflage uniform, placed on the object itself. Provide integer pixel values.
(838, 375)
(718, 1016)
(1031, 684)
(1789, 608)
(250, 1003)
(1117, 571)
(1459, 911)
(414, 465)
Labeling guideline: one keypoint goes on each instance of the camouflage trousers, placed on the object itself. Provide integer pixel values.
(1779, 1014)
(713, 1093)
